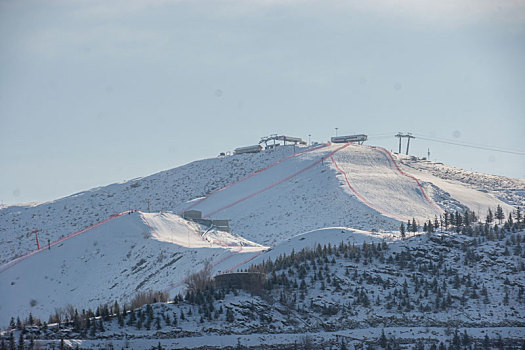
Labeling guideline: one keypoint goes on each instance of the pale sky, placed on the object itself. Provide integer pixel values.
(96, 92)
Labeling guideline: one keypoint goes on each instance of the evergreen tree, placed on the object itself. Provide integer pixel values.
(465, 339)
(486, 342)
(21, 345)
(382, 340)
(499, 214)
(93, 330)
(414, 225)
(458, 221)
(120, 320)
(229, 316)
(12, 344)
(490, 217)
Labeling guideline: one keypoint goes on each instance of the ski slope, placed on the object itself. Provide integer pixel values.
(134, 252)
(297, 195)
(261, 181)
(373, 176)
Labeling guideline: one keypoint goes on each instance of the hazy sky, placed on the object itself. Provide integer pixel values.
(95, 92)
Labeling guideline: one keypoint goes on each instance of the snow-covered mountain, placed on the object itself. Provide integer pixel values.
(269, 198)
(426, 289)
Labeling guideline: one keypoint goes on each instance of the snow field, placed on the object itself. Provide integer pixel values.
(379, 184)
(114, 261)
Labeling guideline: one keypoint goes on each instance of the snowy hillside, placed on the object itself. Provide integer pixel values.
(135, 252)
(476, 191)
(454, 289)
(342, 192)
(284, 194)
(164, 190)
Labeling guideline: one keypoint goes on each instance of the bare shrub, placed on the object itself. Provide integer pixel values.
(148, 297)
(69, 311)
(200, 280)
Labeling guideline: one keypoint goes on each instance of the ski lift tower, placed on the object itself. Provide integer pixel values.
(408, 136)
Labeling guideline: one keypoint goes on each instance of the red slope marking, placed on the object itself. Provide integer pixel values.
(363, 199)
(244, 261)
(71, 235)
(409, 176)
(253, 174)
(276, 183)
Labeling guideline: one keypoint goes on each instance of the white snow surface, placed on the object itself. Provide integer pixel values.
(171, 228)
(478, 192)
(283, 195)
(374, 176)
(114, 261)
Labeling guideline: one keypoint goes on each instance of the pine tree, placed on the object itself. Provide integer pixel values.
(229, 316)
(458, 221)
(486, 341)
(414, 225)
(12, 344)
(382, 340)
(93, 330)
(499, 214)
(402, 230)
(21, 341)
(490, 217)
(465, 339)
